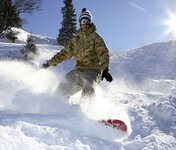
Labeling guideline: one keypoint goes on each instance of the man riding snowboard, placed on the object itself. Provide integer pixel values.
(91, 58)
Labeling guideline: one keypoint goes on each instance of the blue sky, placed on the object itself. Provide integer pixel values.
(123, 24)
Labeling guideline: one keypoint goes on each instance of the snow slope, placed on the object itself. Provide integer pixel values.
(143, 94)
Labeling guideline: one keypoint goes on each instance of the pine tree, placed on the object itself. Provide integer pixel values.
(9, 16)
(68, 29)
(11, 35)
(10, 11)
(30, 50)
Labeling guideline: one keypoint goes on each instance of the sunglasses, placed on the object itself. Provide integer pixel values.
(85, 21)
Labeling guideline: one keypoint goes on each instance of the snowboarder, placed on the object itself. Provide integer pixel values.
(91, 58)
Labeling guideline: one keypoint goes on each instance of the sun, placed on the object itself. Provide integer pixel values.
(171, 23)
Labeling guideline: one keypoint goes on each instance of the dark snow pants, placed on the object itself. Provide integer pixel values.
(76, 81)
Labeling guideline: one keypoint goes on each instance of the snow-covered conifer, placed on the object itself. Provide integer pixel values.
(30, 50)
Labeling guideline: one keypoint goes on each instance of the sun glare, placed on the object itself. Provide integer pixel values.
(171, 23)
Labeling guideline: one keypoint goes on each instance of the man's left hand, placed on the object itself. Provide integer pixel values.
(107, 76)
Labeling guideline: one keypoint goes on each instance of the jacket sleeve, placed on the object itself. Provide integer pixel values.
(103, 53)
(64, 54)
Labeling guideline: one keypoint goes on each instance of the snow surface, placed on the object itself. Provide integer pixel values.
(142, 94)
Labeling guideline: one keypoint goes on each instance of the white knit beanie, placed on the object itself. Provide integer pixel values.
(85, 14)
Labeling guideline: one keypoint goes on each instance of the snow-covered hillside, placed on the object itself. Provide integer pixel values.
(142, 94)
(156, 61)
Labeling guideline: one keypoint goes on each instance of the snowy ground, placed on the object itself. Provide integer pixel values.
(143, 94)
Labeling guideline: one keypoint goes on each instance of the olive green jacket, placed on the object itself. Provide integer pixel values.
(89, 50)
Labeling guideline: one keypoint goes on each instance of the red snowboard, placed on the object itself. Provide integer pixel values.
(117, 124)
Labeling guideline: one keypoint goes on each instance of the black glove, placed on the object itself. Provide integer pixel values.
(107, 76)
(45, 65)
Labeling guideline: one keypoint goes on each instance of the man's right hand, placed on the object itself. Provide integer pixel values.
(45, 65)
